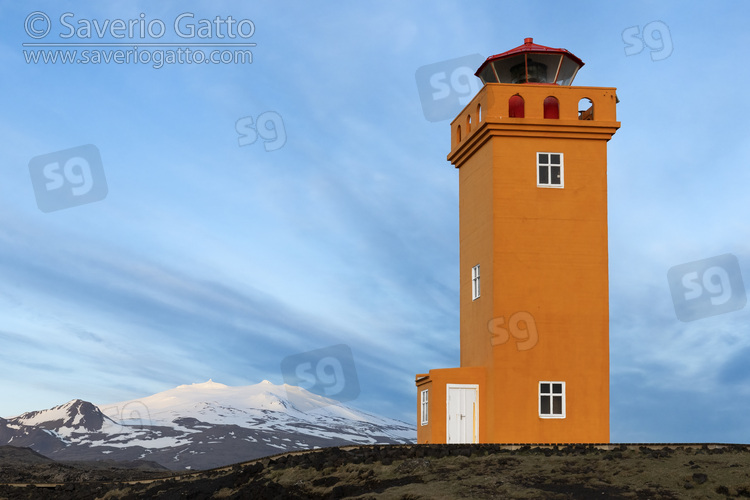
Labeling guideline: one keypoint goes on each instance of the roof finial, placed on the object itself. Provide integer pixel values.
(528, 41)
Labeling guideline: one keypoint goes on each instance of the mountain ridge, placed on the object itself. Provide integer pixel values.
(200, 425)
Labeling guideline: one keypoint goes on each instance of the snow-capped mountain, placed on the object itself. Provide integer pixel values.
(200, 426)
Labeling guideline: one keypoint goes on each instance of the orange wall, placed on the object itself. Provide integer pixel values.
(477, 226)
(551, 261)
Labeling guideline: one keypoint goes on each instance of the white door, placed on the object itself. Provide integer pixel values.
(463, 413)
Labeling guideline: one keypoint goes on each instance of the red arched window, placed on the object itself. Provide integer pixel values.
(515, 106)
(552, 108)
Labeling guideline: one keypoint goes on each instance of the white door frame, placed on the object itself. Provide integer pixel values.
(448, 387)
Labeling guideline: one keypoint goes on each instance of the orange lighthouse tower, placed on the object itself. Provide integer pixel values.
(531, 154)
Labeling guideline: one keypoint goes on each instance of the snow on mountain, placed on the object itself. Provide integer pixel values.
(216, 403)
(73, 414)
(200, 426)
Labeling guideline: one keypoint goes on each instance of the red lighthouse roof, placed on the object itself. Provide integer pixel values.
(530, 63)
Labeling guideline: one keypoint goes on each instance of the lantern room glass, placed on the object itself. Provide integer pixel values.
(488, 75)
(568, 71)
(531, 67)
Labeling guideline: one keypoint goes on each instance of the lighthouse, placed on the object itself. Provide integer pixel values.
(531, 155)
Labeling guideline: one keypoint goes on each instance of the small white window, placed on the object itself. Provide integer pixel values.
(552, 399)
(424, 406)
(475, 282)
(549, 170)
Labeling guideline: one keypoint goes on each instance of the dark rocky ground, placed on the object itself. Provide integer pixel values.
(405, 472)
(24, 465)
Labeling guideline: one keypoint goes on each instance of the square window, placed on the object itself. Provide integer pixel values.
(549, 168)
(552, 399)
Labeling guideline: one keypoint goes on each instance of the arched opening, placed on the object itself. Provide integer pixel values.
(585, 109)
(458, 133)
(515, 106)
(468, 123)
(551, 108)
(479, 113)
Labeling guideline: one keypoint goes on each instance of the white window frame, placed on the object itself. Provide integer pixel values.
(475, 282)
(424, 395)
(548, 165)
(551, 394)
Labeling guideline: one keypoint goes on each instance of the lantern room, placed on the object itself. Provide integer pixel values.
(531, 63)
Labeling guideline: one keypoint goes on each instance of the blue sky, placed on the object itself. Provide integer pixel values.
(208, 259)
